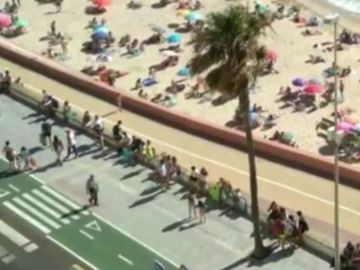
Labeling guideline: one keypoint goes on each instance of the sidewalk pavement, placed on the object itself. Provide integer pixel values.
(133, 203)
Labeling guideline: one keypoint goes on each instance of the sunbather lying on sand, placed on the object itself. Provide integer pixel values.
(171, 61)
(308, 32)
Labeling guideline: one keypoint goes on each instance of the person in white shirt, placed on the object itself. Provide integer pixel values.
(98, 126)
(71, 143)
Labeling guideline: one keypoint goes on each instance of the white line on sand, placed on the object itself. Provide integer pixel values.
(125, 259)
(134, 239)
(71, 252)
(13, 235)
(28, 218)
(45, 208)
(87, 234)
(37, 213)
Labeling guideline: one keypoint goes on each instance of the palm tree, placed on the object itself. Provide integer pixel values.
(228, 49)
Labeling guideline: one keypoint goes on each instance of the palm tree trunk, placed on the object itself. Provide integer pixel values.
(259, 250)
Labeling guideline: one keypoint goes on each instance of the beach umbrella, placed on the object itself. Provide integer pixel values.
(299, 82)
(158, 29)
(183, 12)
(315, 81)
(313, 89)
(344, 126)
(102, 29)
(193, 16)
(102, 3)
(184, 72)
(271, 55)
(5, 20)
(100, 35)
(174, 38)
(21, 22)
(287, 136)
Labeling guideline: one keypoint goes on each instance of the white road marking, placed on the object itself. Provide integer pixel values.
(13, 235)
(87, 234)
(72, 252)
(64, 199)
(8, 259)
(94, 225)
(125, 259)
(37, 213)
(30, 248)
(14, 188)
(55, 204)
(28, 218)
(3, 193)
(135, 239)
(45, 208)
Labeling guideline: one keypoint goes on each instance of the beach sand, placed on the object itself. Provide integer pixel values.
(286, 39)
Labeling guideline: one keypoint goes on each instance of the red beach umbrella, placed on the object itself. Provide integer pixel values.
(5, 20)
(102, 3)
(313, 89)
(272, 55)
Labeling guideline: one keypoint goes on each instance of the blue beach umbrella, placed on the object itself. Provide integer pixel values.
(174, 38)
(299, 82)
(100, 35)
(102, 29)
(184, 72)
(193, 16)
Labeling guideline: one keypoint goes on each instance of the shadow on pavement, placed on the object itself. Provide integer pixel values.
(189, 226)
(236, 264)
(175, 225)
(150, 190)
(8, 173)
(35, 149)
(46, 167)
(76, 211)
(273, 258)
(132, 174)
(145, 200)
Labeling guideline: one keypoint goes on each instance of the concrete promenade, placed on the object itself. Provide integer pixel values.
(134, 205)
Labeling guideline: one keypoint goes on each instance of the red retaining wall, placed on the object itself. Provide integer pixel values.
(295, 157)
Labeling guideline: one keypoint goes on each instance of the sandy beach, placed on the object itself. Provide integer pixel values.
(286, 39)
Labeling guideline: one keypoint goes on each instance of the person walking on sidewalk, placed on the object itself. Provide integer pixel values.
(58, 148)
(10, 155)
(45, 136)
(71, 143)
(92, 189)
(202, 211)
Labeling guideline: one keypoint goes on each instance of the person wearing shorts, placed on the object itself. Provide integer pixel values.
(9, 154)
(46, 132)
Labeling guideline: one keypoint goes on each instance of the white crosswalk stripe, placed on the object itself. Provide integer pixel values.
(64, 210)
(62, 198)
(13, 235)
(37, 213)
(45, 208)
(27, 217)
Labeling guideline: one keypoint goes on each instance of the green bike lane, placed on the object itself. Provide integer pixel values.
(82, 233)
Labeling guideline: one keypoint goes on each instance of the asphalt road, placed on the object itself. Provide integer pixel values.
(38, 254)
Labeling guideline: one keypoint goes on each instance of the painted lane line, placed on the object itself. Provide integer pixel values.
(55, 204)
(87, 234)
(125, 259)
(13, 235)
(135, 239)
(64, 199)
(3, 251)
(14, 188)
(56, 242)
(37, 213)
(76, 267)
(28, 218)
(8, 259)
(45, 208)
(30, 248)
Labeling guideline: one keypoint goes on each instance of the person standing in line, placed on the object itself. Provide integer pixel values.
(202, 211)
(66, 112)
(58, 148)
(192, 204)
(24, 157)
(45, 135)
(92, 189)
(71, 143)
(10, 155)
(99, 131)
